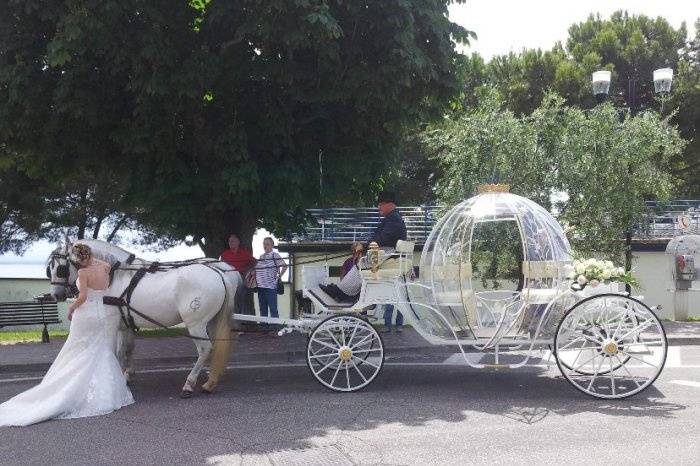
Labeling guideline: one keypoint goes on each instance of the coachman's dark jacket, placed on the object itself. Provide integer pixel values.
(390, 230)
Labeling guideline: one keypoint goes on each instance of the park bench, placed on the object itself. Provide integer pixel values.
(42, 310)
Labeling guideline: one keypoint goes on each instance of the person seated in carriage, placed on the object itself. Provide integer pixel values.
(348, 290)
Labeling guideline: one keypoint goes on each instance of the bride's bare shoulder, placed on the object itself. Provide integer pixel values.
(103, 264)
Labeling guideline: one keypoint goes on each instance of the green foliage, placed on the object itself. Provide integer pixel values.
(214, 117)
(594, 168)
(685, 97)
(630, 46)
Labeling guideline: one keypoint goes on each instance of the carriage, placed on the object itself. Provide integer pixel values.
(606, 344)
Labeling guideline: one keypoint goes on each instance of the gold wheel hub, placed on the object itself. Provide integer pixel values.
(610, 348)
(345, 354)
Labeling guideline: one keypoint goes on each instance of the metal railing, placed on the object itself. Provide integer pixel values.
(660, 221)
(358, 224)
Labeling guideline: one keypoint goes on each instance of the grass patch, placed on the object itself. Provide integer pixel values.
(34, 336)
(693, 319)
(28, 336)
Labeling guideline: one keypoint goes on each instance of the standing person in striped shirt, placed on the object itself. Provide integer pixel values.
(268, 270)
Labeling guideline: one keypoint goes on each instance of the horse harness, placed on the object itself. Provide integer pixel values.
(123, 301)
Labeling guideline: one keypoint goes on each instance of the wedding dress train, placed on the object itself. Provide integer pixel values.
(84, 380)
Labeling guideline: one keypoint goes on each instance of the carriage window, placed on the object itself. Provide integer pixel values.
(496, 256)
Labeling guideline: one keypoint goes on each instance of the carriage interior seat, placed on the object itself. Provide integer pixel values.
(543, 272)
(311, 277)
(325, 300)
(456, 296)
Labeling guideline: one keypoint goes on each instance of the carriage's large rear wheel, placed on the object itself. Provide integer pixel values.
(610, 346)
(345, 353)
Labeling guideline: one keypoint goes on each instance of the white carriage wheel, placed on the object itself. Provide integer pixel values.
(345, 353)
(610, 346)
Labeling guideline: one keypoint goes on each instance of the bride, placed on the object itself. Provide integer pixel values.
(85, 379)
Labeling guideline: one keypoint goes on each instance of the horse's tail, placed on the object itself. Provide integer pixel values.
(222, 336)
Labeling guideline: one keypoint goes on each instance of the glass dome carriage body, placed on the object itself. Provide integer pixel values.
(456, 302)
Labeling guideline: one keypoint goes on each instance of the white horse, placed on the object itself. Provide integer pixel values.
(194, 293)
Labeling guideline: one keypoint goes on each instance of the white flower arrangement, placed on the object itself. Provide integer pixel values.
(593, 272)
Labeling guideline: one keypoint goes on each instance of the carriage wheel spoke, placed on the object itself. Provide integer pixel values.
(364, 361)
(366, 350)
(324, 355)
(589, 338)
(571, 343)
(359, 371)
(646, 324)
(342, 333)
(595, 374)
(354, 331)
(329, 365)
(362, 341)
(584, 363)
(639, 359)
(337, 369)
(645, 343)
(334, 338)
(612, 376)
(627, 370)
(347, 374)
(334, 348)
(619, 323)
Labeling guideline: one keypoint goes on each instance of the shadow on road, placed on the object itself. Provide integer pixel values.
(268, 411)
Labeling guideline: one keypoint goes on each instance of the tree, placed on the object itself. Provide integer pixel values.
(685, 98)
(632, 47)
(215, 116)
(17, 224)
(592, 167)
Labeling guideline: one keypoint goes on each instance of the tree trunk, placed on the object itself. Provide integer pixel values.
(219, 229)
(116, 228)
(82, 205)
(98, 223)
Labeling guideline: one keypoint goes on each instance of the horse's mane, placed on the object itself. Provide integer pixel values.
(105, 251)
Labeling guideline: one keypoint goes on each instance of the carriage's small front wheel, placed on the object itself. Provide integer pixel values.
(610, 346)
(345, 353)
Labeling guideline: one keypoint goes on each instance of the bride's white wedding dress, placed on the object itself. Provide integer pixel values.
(85, 379)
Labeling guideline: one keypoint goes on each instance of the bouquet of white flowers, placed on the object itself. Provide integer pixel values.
(592, 272)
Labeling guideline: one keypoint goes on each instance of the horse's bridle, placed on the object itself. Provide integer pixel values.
(62, 270)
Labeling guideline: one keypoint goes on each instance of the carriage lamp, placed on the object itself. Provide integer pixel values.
(373, 256)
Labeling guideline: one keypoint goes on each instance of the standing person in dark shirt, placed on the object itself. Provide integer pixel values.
(391, 229)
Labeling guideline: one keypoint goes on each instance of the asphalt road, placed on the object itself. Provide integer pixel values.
(419, 411)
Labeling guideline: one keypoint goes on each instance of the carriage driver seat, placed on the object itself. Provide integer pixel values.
(391, 264)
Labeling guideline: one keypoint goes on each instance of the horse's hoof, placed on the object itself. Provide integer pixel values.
(208, 388)
(186, 394)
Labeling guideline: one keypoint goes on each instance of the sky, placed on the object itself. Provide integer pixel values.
(505, 26)
(501, 26)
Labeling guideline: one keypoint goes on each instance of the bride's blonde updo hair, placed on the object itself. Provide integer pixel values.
(81, 252)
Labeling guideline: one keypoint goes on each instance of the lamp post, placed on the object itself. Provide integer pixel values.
(600, 81)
